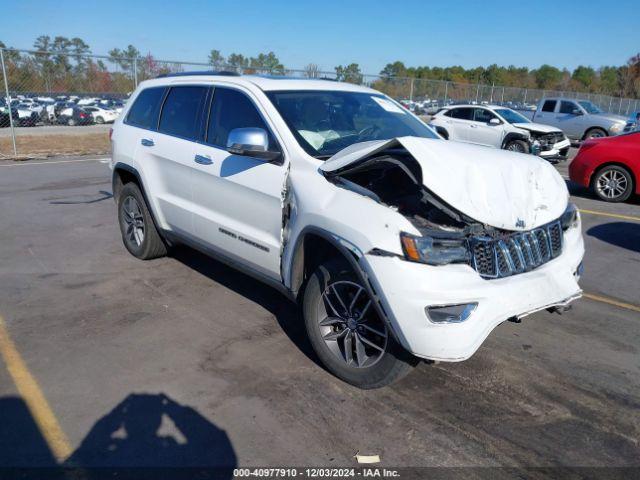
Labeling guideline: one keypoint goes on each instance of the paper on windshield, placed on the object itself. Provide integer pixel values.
(388, 105)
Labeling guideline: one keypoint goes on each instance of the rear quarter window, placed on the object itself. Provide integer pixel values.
(145, 108)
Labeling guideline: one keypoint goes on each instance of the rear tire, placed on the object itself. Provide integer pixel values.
(139, 233)
(612, 184)
(349, 337)
(71, 122)
(518, 146)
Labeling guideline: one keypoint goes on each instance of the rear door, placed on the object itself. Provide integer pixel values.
(546, 114)
(171, 156)
(238, 198)
(482, 132)
(461, 119)
(166, 123)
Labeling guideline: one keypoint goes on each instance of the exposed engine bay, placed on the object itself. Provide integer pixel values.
(394, 178)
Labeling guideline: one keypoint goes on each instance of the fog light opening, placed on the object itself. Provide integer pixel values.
(457, 313)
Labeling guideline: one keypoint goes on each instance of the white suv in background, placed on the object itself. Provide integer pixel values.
(396, 244)
(500, 127)
(101, 115)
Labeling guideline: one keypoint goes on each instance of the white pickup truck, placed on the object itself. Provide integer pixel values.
(578, 119)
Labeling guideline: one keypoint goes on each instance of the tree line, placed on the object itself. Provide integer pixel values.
(67, 68)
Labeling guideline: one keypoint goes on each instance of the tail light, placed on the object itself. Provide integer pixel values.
(110, 133)
(82, 115)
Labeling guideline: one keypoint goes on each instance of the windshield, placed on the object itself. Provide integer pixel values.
(511, 116)
(589, 107)
(325, 122)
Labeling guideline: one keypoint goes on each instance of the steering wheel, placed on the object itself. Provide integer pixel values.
(368, 132)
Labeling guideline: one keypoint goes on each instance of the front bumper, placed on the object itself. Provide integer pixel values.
(406, 288)
(557, 152)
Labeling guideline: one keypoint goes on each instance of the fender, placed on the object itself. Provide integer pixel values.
(351, 253)
(515, 136)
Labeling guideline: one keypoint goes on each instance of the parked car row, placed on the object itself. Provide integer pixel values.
(29, 111)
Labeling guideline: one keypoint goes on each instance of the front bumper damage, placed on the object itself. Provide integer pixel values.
(406, 289)
(556, 152)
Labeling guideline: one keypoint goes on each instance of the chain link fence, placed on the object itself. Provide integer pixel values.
(55, 103)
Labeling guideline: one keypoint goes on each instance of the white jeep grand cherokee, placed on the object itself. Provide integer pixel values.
(398, 245)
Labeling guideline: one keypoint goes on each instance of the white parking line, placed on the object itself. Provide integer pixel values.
(28, 163)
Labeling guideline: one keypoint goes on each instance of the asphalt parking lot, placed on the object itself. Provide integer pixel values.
(201, 365)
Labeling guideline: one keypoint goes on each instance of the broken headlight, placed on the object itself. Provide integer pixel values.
(435, 250)
(569, 218)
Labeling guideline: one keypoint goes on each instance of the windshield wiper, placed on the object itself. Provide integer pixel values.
(323, 157)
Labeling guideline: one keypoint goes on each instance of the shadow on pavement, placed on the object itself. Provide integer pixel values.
(285, 311)
(145, 436)
(621, 234)
(21, 443)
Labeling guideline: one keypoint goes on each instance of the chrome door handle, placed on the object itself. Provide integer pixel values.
(202, 160)
(147, 142)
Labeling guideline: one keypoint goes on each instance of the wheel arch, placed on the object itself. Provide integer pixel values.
(594, 127)
(514, 136)
(325, 246)
(302, 265)
(124, 173)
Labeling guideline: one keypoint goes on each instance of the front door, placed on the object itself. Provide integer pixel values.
(238, 199)
(484, 133)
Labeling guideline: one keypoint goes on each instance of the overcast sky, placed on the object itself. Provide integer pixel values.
(330, 32)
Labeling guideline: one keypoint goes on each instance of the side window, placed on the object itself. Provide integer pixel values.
(144, 111)
(549, 106)
(483, 115)
(462, 113)
(182, 111)
(232, 109)
(567, 107)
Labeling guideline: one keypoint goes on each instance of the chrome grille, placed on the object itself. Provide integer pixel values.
(517, 252)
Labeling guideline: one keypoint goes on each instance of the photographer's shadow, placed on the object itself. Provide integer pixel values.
(153, 431)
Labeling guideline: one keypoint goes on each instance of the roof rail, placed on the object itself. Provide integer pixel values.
(225, 73)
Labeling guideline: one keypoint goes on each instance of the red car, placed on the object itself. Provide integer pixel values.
(609, 166)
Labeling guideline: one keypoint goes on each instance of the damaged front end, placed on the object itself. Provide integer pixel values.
(391, 175)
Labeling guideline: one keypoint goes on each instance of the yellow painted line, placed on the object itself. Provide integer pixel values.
(612, 215)
(34, 398)
(611, 301)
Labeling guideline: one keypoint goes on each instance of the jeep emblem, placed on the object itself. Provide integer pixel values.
(520, 223)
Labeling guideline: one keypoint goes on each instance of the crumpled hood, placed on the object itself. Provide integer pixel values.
(537, 127)
(506, 190)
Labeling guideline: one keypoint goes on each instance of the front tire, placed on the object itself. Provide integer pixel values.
(613, 184)
(346, 332)
(139, 233)
(519, 146)
(99, 120)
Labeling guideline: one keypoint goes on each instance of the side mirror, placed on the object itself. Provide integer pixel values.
(576, 111)
(495, 121)
(250, 142)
